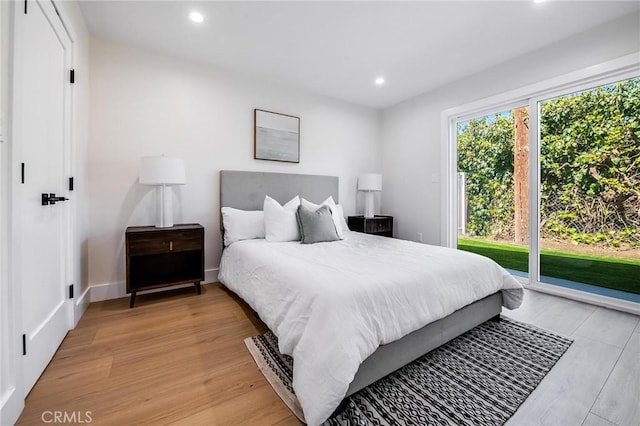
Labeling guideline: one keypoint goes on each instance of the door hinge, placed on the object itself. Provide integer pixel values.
(71, 184)
(71, 291)
(24, 344)
(22, 172)
(72, 76)
(25, 7)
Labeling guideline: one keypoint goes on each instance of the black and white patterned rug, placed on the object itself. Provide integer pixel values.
(479, 378)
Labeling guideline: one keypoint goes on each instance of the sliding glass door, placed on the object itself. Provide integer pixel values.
(589, 190)
(550, 188)
(493, 182)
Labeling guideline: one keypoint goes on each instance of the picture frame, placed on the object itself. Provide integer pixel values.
(276, 136)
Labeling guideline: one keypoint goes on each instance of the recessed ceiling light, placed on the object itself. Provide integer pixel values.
(538, 1)
(196, 17)
(379, 81)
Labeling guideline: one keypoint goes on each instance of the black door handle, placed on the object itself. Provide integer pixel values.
(51, 199)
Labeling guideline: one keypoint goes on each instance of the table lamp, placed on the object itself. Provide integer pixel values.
(163, 172)
(369, 183)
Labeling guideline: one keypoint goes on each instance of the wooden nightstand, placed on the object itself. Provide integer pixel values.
(162, 257)
(378, 225)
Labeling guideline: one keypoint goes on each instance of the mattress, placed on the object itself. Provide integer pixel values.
(332, 304)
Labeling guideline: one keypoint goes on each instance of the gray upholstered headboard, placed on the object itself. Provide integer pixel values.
(246, 190)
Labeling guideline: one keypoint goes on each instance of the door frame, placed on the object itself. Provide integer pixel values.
(10, 402)
(615, 70)
(80, 301)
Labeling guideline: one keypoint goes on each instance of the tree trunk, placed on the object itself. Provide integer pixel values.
(521, 176)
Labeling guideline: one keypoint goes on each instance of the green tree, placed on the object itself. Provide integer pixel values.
(485, 153)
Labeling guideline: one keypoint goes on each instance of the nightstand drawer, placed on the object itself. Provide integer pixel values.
(165, 242)
(377, 225)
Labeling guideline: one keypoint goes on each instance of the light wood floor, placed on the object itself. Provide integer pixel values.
(179, 359)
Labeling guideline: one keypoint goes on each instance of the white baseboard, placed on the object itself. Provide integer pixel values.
(81, 304)
(107, 291)
(117, 290)
(211, 275)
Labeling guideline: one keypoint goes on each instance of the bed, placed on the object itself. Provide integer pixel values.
(352, 311)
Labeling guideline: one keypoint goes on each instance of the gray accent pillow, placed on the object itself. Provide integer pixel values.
(316, 226)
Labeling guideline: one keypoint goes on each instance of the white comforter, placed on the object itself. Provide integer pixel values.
(332, 304)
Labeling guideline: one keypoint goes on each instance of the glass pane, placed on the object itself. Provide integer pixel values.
(493, 174)
(590, 190)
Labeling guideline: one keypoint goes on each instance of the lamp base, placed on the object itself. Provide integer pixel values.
(164, 207)
(368, 205)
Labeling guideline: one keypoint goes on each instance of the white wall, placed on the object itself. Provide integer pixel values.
(144, 103)
(411, 131)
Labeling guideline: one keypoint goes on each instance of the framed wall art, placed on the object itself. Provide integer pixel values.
(276, 137)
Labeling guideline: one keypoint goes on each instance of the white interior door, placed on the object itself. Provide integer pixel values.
(42, 125)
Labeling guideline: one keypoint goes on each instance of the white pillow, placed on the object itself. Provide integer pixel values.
(343, 221)
(280, 223)
(334, 212)
(241, 225)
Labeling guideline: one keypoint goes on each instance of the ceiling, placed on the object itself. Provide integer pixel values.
(338, 49)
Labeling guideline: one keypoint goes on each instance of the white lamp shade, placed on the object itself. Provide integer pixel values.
(162, 170)
(370, 182)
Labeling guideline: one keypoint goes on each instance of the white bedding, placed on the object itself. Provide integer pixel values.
(332, 304)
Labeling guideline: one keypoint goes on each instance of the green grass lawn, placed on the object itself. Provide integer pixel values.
(610, 272)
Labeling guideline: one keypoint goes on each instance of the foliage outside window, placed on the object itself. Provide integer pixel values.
(589, 169)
